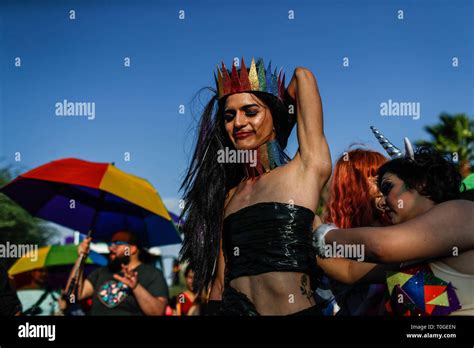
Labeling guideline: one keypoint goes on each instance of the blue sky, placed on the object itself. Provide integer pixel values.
(137, 108)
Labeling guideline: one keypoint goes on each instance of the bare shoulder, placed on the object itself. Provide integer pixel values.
(456, 215)
(229, 196)
(457, 207)
(453, 212)
(231, 192)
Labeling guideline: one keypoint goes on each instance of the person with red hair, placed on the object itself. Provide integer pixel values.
(430, 237)
(353, 201)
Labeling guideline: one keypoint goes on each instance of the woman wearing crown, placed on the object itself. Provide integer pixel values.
(431, 239)
(248, 225)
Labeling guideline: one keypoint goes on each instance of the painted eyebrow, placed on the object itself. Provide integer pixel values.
(245, 107)
(386, 181)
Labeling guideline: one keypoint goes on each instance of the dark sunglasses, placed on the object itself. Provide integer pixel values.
(117, 243)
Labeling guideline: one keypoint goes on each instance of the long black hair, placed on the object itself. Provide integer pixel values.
(207, 183)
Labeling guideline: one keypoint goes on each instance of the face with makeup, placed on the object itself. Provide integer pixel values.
(402, 203)
(248, 121)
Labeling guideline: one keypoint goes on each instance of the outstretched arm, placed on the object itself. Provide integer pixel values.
(85, 289)
(350, 271)
(446, 228)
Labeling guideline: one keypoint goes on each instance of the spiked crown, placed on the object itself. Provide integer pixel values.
(256, 79)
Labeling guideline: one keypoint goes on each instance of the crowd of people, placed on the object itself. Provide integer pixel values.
(395, 235)
(128, 285)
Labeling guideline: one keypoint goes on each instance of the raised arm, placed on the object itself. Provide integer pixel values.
(85, 289)
(445, 229)
(313, 149)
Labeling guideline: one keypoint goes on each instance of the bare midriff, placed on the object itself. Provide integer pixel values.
(276, 293)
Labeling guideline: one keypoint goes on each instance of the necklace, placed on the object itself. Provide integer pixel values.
(268, 156)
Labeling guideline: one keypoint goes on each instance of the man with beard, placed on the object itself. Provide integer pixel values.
(126, 286)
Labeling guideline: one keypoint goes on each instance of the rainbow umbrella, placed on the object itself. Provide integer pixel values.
(95, 198)
(176, 219)
(53, 255)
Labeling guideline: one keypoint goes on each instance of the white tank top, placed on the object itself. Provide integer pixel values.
(463, 284)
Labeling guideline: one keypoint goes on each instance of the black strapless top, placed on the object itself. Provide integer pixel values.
(269, 237)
